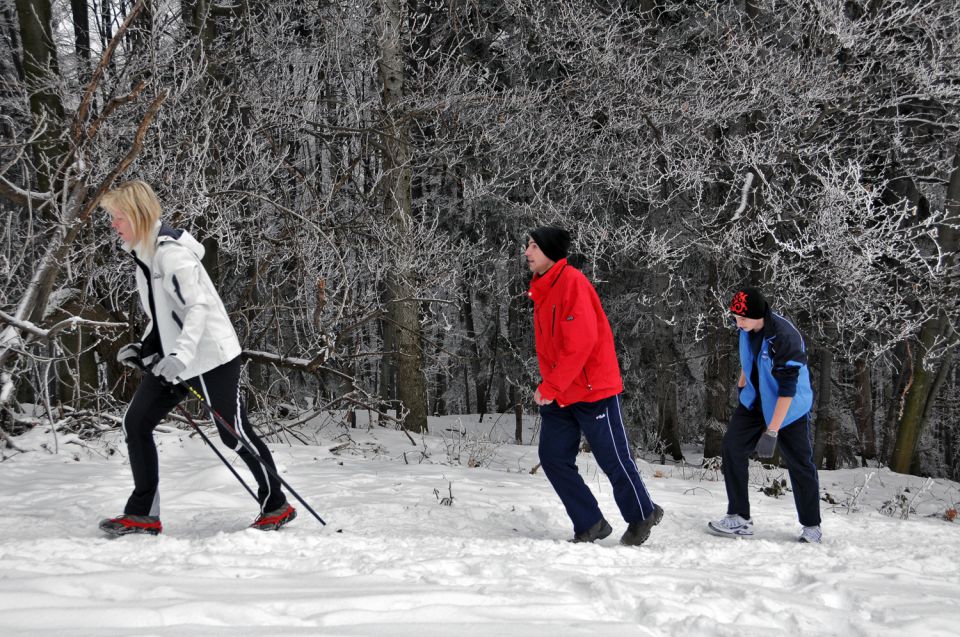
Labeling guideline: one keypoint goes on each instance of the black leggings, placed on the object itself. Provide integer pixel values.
(154, 399)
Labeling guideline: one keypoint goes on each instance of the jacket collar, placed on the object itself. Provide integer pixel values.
(541, 284)
(769, 329)
(168, 233)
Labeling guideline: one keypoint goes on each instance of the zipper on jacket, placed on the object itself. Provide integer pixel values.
(586, 380)
(153, 307)
(553, 319)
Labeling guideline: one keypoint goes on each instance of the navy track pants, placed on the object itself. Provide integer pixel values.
(602, 424)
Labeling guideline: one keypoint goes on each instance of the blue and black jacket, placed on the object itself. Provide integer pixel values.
(781, 369)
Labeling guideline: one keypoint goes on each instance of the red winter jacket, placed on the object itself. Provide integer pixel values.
(575, 350)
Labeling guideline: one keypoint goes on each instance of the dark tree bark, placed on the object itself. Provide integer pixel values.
(404, 310)
(863, 410)
(81, 33)
(720, 379)
(42, 72)
(472, 342)
(825, 442)
(922, 385)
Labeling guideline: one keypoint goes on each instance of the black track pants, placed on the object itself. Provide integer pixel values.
(745, 428)
(154, 399)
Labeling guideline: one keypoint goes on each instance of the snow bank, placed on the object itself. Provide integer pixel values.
(398, 557)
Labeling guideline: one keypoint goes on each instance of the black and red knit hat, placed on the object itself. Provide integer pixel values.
(749, 303)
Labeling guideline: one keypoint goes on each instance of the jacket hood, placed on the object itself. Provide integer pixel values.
(162, 233)
(167, 234)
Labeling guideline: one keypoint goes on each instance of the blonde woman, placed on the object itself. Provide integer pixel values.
(190, 338)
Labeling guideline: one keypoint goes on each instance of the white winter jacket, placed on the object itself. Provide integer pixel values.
(184, 308)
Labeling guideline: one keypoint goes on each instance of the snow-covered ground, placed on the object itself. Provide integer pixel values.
(398, 558)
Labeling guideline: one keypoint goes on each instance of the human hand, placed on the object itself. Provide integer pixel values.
(539, 399)
(169, 368)
(767, 444)
(129, 355)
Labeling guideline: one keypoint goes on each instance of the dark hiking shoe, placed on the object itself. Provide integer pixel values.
(638, 532)
(129, 524)
(598, 531)
(273, 520)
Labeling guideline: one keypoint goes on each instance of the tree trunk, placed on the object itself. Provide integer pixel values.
(403, 311)
(42, 73)
(9, 76)
(863, 410)
(466, 390)
(515, 315)
(922, 387)
(34, 302)
(81, 35)
(440, 382)
(911, 422)
(78, 377)
(493, 347)
(472, 351)
(718, 378)
(106, 22)
(388, 361)
(411, 385)
(668, 419)
(894, 396)
(825, 442)
(503, 393)
(517, 415)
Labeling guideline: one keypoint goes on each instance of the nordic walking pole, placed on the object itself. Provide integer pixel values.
(217, 451)
(207, 440)
(246, 445)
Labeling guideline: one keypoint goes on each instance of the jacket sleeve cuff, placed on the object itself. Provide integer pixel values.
(787, 389)
(546, 392)
(184, 357)
(787, 378)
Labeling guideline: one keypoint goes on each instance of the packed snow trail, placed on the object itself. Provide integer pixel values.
(394, 560)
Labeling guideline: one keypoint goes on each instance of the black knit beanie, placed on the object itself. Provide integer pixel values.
(749, 302)
(554, 242)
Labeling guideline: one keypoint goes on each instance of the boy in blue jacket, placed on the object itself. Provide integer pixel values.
(774, 407)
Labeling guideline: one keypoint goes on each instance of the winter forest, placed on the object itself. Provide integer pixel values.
(363, 176)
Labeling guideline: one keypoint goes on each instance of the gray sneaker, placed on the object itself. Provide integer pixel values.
(810, 535)
(731, 525)
(598, 531)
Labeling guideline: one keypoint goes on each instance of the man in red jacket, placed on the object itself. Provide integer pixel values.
(580, 394)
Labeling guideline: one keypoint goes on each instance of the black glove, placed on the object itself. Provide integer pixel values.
(767, 444)
(129, 355)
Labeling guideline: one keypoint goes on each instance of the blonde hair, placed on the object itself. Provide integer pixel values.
(137, 200)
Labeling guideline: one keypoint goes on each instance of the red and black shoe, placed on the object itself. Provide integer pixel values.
(273, 520)
(126, 524)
